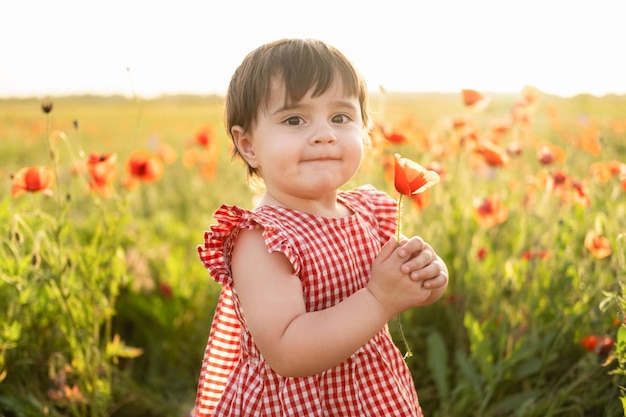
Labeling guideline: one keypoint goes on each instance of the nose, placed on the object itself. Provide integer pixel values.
(323, 133)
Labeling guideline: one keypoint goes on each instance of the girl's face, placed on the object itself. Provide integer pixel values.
(307, 150)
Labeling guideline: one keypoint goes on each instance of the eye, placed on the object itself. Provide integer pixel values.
(341, 118)
(294, 121)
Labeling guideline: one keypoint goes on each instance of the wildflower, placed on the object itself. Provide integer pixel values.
(589, 141)
(481, 253)
(489, 212)
(602, 345)
(421, 200)
(145, 166)
(166, 290)
(514, 148)
(474, 100)
(412, 178)
(103, 171)
(535, 254)
(581, 194)
(471, 97)
(205, 136)
(547, 154)
(46, 107)
(493, 154)
(459, 122)
(558, 182)
(589, 342)
(603, 171)
(598, 245)
(394, 137)
(33, 179)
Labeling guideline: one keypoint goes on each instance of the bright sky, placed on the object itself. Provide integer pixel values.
(148, 48)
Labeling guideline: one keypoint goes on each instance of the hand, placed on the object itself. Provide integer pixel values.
(388, 282)
(423, 265)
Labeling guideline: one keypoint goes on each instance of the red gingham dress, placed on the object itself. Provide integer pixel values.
(332, 257)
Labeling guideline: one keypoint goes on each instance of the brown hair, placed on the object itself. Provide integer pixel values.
(302, 65)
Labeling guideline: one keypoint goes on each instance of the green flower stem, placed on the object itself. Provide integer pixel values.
(399, 220)
(408, 353)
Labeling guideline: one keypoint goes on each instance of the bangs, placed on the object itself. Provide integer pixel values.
(303, 66)
(316, 72)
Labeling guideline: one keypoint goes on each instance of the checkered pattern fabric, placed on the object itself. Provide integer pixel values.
(332, 258)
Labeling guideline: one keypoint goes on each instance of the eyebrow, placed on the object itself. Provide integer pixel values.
(334, 103)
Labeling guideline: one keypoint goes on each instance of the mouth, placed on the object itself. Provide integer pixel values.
(322, 159)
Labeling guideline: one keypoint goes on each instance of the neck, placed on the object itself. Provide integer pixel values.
(327, 206)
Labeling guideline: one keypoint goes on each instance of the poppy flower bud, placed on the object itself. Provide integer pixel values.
(46, 106)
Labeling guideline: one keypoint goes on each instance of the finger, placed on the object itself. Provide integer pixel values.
(419, 261)
(388, 248)
(430, 271)
(412, 246)
(437, 282)
(440, 280)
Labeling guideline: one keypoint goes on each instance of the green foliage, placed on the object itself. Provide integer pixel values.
(105, 307)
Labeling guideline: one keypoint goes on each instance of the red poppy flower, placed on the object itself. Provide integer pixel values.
(33, 179)
(535, 254)
(493, 154)
(459, 122)
(412, 178)
(598, 245)
(604, 171)
(514, 148)
(557, 183)
(205, 136)
(471, 97)
(581, 194)
(589, 141)
(166, 290)
(547, 154)
(501, 125)
(144, 166)
(489, 212)
(481, 253)
(421, 200)
(103, 171)
(474, 100)
(599, 344)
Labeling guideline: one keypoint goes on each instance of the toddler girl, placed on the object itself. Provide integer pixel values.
(312, 275)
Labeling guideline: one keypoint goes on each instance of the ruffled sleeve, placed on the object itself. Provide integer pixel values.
(377, 207)
(215, 253)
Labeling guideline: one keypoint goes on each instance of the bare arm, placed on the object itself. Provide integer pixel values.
(299, 343)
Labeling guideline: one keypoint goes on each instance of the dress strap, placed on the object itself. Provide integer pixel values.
(220, 356)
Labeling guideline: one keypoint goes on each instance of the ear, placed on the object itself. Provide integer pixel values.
(243, 142)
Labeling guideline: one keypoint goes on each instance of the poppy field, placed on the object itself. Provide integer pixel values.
(105, 307)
